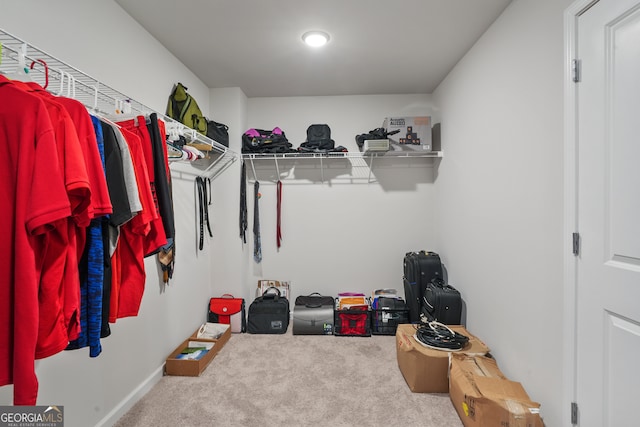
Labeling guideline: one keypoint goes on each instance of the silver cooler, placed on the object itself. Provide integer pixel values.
(313, 320)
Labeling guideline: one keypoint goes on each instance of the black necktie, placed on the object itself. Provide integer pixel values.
(243, 203)
(257, 247)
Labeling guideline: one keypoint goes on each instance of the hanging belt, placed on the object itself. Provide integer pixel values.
(204, 200)
(279, 209)
(257, 246)
(243, 203)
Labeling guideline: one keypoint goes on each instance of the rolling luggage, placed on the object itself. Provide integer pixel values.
(313, 315)
(268, 314)
(442, 302)
(419, 269)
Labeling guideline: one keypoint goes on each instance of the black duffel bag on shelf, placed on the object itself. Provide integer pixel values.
(269, 313)
(261, 141)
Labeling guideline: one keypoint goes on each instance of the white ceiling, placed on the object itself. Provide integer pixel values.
(376, 46)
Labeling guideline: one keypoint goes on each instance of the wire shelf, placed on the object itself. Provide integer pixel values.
(335, 167)
(63, 79)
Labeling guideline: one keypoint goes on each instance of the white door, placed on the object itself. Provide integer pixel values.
(608, 274)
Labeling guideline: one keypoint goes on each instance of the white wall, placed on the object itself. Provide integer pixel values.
(346, 233)
(100, 39)
(228, 106)
(500, 194)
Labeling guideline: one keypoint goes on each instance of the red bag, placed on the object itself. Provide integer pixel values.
(228, 310)
(353, 322)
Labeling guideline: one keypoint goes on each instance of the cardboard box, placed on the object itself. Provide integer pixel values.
(414, 136)
(194, 367)
(483, 396)
(424, 369)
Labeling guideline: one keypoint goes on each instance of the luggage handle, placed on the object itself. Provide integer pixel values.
(228, 296)
(270, 295)
(437, 281)
(315, 305)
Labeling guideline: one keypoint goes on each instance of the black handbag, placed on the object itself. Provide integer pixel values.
(269, 313)
(219, 132)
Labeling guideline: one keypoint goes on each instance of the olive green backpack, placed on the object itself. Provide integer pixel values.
(183, 108)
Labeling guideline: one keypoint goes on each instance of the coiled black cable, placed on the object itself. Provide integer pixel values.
(440, 337)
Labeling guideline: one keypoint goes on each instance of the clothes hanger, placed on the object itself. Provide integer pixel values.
(21, 72)
(46, 71)
(94, 109)
(123, 111)
(61, 89)
(174, 153)
(71, 86)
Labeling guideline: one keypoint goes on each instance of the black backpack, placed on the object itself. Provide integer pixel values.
(318, 138)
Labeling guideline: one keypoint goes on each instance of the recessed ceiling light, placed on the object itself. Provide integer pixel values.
(315, 38)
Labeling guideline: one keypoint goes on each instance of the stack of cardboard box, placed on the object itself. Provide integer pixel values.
(481, 394)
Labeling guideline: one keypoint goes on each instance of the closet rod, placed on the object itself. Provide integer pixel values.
(100, 97)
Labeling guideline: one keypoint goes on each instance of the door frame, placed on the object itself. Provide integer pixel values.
(571, 171)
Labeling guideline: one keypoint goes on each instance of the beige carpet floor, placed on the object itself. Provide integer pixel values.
(294, 380)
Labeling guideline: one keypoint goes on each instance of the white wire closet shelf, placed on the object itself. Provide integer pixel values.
(60, 78)
(339, 155)
(360, 165)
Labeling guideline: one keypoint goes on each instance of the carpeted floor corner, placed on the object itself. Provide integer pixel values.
(294, 380)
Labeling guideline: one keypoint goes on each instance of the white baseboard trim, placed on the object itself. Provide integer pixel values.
(131, 399)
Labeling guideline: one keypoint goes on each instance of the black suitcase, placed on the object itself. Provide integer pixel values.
(442, 302)
(419, 269)
(268, 314)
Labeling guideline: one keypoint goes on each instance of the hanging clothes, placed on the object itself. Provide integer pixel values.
(126, 295)
(163, 179)
(156, 237)
(35, 204)
(128, 198)
(166, 254)
(79, 210)
(60, 310)
(89, 241)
